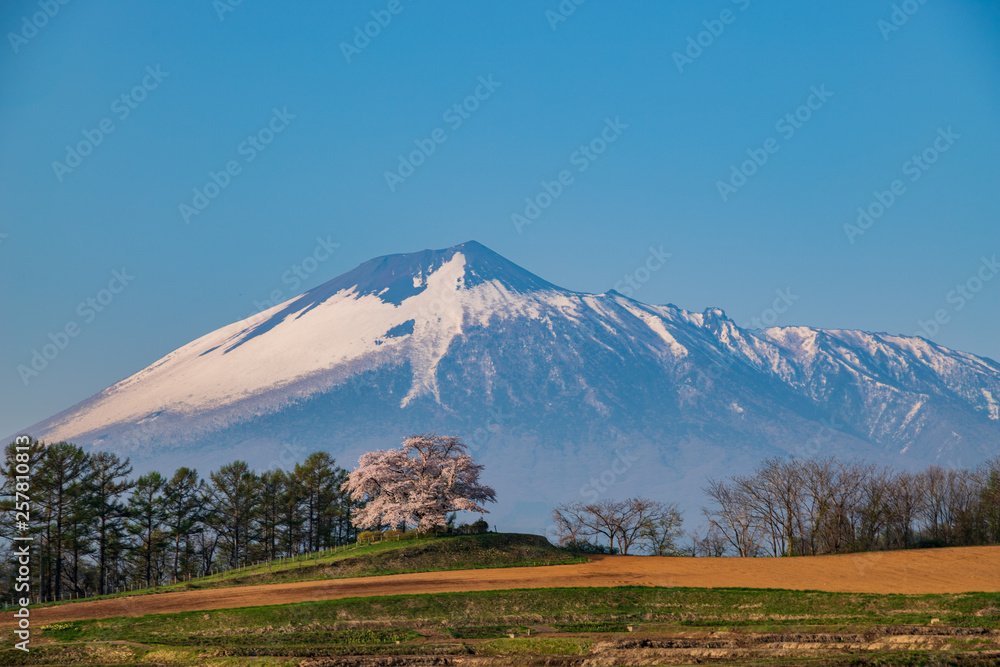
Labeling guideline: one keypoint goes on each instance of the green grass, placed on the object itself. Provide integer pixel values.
(485, 631)
(566, 622)
(466, 552)
(727, 608)
(535, 646)
(600, 626)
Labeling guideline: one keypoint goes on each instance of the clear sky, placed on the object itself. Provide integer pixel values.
(308, 115)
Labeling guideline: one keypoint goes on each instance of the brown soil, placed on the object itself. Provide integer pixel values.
(954, 570)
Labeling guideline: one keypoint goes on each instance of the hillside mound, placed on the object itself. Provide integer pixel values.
(450, 553)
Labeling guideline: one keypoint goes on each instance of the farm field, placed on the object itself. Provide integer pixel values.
(936, 571)
(569, 626)
(938, 606)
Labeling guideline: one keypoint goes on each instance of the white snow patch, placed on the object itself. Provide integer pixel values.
(231, 364)
(656, 324)
(912, 413)
(991, 405)
(694, 318)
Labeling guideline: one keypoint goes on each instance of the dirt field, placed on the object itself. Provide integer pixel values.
(925, 571)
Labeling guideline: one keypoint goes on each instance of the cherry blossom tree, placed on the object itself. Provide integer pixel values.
(417, 484)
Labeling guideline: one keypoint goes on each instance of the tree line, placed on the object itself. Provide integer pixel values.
(97, 529)
(828, 506)
(801, 507)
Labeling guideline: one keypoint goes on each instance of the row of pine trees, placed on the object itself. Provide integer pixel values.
(99, 529)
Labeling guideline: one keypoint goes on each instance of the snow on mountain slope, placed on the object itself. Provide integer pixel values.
(911, 372)
(463, 341)
(314, 334)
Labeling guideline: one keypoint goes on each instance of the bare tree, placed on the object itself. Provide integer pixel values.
(734, 517)
(573, 524)
(821, 506)
(661, 530)
(845, 494)
(934, 481)
(962, 511)
(874, 505)
(772, 498)
(714, 545)
(907, 500)
(625, 523)
(831, 489)
(989, 499)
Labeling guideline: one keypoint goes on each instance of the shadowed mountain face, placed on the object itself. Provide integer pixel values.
(563, 395)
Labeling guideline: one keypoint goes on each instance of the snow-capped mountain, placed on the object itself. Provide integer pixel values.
(563, 395)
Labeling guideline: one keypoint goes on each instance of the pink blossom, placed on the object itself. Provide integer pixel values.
(418, 484)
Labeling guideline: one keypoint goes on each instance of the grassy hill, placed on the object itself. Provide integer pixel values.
(628, 625)
(425, 555)
(607, 626)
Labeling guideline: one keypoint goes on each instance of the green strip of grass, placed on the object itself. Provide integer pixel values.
(690, 607)
(485, 631)
(478, 622)
(600, 626)
(536, 646)
(468, 552)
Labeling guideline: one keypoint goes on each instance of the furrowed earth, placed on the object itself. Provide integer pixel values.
(938, 606)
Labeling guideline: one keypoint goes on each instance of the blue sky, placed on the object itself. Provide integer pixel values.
(201, 78)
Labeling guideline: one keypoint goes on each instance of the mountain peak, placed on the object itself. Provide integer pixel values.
(471, 246)
(396, 277)
(461, 340)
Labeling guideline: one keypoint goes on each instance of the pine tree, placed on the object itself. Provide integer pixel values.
(272, 489)
(109, 483)
(290, 520)
(146, 515)
(61, 479)
(182, 503)
(235, 502)
(320, 480)
(22, 462)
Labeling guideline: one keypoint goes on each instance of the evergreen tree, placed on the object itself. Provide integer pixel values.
(109, 483)
(61, 479)
(272, 490)
(146, 515)
(291, 520)
(182, 504)
(235, 502)
(28, 458)
(319, 478)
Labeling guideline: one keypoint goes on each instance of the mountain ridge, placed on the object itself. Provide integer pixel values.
(440, 340)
